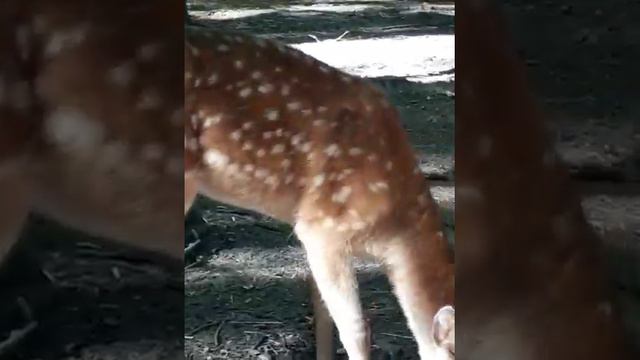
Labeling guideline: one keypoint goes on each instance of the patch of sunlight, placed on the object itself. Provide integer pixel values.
(424, 58)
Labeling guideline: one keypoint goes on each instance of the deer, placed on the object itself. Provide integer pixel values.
(273, 130)
(531, 282)
(91, 128)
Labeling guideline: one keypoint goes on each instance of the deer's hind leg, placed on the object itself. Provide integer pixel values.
(330, 261)
(323, 325)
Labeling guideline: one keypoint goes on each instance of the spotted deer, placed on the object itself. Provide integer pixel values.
(530, 282)
(271, 129)
(91, 128)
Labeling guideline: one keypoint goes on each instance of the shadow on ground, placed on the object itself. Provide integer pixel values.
(90, 300)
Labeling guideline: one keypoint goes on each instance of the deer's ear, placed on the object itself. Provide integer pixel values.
(444, 328)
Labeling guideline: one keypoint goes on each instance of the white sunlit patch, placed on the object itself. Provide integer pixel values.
(425, 59)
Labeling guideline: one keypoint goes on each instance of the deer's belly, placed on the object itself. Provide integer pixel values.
(125, 202)
(239, 188)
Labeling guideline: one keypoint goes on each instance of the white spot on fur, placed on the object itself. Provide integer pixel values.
(122, 74)
(261, 153)
(244, 93)
(306, 147)
(247, 146)
(333, 150)
(215, 158)
(278, 149)
(265, 88)
(388, 165)
(295, 105)
(272, 114)
(212, 79)
(378, 186)
(65, 39)
(297, 139)
(289, 179)
(236, 135)
(261, 173)
(344, 173)
(358, 225)
(233, 168)
(328, 222)
(318, 180)
(272, 181)
(341, 195)
(212, 120)
(342, 227)
(74, 130)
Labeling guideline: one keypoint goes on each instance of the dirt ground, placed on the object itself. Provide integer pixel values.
(246, 295)
(90, 299)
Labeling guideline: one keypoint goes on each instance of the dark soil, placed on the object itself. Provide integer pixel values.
(90, 299)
